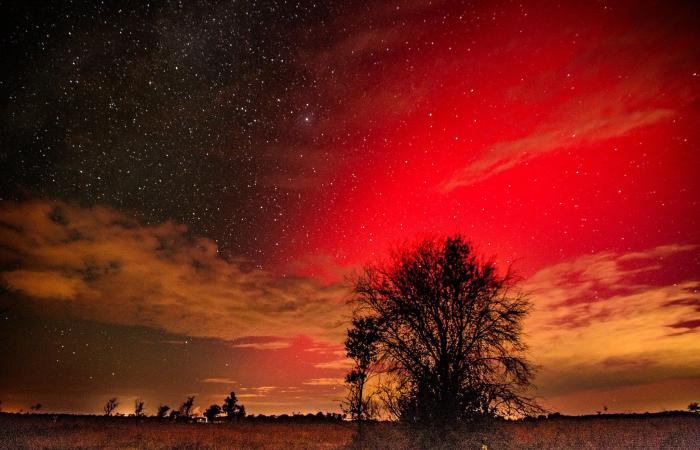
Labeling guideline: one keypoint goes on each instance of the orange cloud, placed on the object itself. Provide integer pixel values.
(219, 381)
(111, 268)
(596, 325)
(53, 284)
(325, 382)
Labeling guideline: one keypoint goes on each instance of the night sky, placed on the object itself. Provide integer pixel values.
(187, 186)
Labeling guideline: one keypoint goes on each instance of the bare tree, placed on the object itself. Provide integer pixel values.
(162, 411)
(186, 408)
(449, 333)
(110, 406)
(138, 407)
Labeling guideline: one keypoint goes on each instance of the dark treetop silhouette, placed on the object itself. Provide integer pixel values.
(187, 407)
(162, 411)
(110, 406)
(232, 408)
(139, 407)
(445, 331)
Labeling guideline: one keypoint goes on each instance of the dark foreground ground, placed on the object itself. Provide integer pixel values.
(74, 432)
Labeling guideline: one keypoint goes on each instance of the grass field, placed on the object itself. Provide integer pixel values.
(65, 432)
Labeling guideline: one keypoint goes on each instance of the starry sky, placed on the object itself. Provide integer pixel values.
(187, 187)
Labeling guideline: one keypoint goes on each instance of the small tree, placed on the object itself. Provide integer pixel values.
(232, 408)
(138, 407)
(212, 412)
(694, 407)
(186, 408)
(110, 406)
(35, 408)
(361, 347)
(162, 411)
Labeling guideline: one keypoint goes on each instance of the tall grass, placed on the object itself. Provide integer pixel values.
(73, 432)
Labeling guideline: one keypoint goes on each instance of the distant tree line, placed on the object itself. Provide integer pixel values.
(229, 410)
(164, 412)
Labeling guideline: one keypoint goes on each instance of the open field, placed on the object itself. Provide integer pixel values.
(65, 432)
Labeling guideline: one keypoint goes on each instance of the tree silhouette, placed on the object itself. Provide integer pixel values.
(138, 407)
(212, 412)
(186, 408)
(448, 333)
(36, 407)
(232, 408)
(361, 347)
(110, 406)
(162, 411)
(694, 407)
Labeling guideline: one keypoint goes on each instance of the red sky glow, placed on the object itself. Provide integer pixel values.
(561, 138)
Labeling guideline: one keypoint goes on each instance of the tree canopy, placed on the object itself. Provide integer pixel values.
(446, 330)
(232, 408)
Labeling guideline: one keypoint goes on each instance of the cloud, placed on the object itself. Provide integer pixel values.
(366, 93)
(668, 394)
(338, 364)
(582, 101)
(325, 382)
(102, 265)
(276, 345)
(219, 380)
(598, 323)
(260, 391)
(356, 42)
(583, 121)
(53, 284)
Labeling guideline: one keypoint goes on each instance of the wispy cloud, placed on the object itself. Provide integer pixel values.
(325, 382)
(598, 324)
(338, 364)
(256, 392)
(575, 112)
(583, 121)
(228, 381)
(276, 345)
